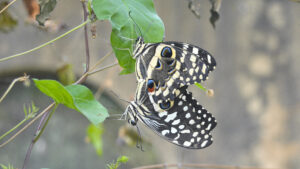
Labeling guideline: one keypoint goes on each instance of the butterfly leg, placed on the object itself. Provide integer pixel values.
(139, 140)
(133, 122)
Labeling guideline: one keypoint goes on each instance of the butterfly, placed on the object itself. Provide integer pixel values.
(168, 66)
(182, 121)
(164, 71)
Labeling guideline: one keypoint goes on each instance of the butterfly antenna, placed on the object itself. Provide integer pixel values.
(115, 117)
(135, 24)
(119, 97)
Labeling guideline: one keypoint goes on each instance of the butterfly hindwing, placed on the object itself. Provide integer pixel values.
(185, 123)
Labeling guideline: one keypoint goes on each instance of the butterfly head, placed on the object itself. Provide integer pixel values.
(138, 47)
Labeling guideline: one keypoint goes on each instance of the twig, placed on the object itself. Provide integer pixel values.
(32, 142)
(103, 68)
(13, 1)
(23, 78)
(179, 165)
(87, 51)
(45, 44)
(101, 60)
(38, 133)
(81, 79)
(18, 125)
(28, 124)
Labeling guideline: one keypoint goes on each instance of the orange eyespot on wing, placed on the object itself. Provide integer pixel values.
(150, 85)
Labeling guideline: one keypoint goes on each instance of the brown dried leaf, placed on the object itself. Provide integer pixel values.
(33, 8)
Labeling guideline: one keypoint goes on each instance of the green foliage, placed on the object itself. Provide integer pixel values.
(120, 160)
(124, 31)
(77, 97)
(200, 86)
(7, 22)
(30, 112)
(94, 134)
(6, 167)
(46, 7)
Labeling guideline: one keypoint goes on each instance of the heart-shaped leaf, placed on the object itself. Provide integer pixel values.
(77, 97)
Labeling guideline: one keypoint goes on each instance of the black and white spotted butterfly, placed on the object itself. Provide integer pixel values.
(182, 121)
(168, 66)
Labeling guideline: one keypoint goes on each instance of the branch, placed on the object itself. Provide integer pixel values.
(179, 165)
(23, 78)
(13, 1)
(87, 51)
(103, 68)
(45, 44)
(81, 79)
(38, 133)
(28, 124)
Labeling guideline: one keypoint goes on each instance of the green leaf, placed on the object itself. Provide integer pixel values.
(94, 134)
(200, 86)
(6, 167)
(122, 159)
(77, 97)
(56, 91)
(46, 7)
(87, 104)
(124, 31)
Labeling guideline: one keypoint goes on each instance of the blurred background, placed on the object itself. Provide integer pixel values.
(256, 86)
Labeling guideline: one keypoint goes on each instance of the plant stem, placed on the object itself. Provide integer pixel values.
(87, 51)
(81, 79)
(183, 165)
(38, 133)
(44, 126)
(23, 78)
(28, 124)
(8, 132)
(103, 68)
(45, 44)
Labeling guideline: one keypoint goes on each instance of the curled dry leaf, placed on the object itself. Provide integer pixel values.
(33, 9)
(46, 7)
(215, 8)
(194, 8)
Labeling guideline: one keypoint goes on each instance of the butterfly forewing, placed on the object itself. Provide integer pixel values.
(173, 65)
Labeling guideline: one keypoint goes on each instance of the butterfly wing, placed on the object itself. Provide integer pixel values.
(186, 123)
(173, 65)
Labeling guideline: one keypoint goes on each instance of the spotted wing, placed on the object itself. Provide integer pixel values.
(172, 65)
(186, 123)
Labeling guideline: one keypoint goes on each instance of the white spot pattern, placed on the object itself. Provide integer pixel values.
(173, 130)
(164, 132)
(171, 117)
(175, 122)
(187, 143)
